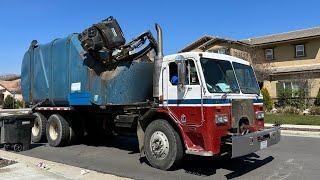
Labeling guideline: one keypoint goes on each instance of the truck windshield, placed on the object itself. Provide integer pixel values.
(219, 76)
(246, 78)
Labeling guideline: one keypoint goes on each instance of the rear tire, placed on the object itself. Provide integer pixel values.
(38, 133)
(163, 145)
(58, 131)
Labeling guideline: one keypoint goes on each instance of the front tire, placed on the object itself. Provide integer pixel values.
(58, 131)
(38, 132)
(163, 146)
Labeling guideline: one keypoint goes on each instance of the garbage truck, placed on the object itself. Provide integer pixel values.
(95, 82)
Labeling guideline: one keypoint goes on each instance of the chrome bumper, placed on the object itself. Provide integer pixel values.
(252, 142)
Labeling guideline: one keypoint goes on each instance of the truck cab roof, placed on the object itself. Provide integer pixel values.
(207, 55)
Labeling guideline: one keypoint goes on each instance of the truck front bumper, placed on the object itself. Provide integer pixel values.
(252, 142)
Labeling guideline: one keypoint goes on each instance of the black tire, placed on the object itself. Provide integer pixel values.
(40, 124)
(17, 147)
(58, 131)
(175, 153)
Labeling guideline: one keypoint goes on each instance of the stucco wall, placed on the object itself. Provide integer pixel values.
(284, 54)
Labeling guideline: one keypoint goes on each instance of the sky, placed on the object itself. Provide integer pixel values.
(182, 21)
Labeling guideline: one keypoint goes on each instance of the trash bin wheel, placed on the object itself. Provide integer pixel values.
(7, 147)
(58, 131)
(17, 147)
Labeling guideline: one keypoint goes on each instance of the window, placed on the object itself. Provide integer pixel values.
(192, 73)
(246, 79)
(219, 51)
(173, 73)
(192, 76)
(219, 76)
(269, 54)
(300, 50)
(294, 87)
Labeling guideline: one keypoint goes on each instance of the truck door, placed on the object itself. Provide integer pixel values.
(187, 105)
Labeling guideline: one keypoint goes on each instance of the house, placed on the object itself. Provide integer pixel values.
(10, 88)
(289, 60)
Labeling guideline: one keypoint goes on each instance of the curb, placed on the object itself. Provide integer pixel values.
(298, 130)
(59, 169)
(292, 127)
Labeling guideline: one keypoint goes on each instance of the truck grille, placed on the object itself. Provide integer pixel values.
(242, 108)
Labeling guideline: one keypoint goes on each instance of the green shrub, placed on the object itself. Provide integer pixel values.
(11, 103)
(298, 100)
(317, 101)
(289, 110)
(284, 97)
(315, 110)
(267, 101)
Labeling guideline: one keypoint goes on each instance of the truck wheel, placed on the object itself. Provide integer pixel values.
(58, 131)
(162, 145)
(38, 133)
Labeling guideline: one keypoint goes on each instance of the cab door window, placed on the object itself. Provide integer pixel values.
(192, 75)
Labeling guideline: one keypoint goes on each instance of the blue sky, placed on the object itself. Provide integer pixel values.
(182, 21)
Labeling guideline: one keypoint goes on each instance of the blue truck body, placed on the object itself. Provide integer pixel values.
(62, 73)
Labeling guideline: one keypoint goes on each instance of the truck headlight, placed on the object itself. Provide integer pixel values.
(221, 118)
(259, 115)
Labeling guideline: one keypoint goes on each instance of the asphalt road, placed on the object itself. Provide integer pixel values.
(292, 158)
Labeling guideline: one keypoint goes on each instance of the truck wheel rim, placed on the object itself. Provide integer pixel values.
(159, 145)
(35, 129)
(53, 130)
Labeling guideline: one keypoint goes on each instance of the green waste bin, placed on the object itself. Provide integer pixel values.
(15, 132)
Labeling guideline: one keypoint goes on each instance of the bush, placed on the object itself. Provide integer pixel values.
(317, 101)
(267, 101)
(284, 98)
(11, 103)
(315, 110)
(289, 110)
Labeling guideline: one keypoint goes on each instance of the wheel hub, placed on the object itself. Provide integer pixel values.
(53, 131)
(35, 129)
(159, 145)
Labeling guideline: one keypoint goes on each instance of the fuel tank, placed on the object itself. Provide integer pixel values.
(62, 73)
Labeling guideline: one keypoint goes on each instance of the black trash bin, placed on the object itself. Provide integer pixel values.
(15, 132)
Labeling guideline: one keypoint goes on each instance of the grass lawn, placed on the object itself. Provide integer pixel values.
(292, 119)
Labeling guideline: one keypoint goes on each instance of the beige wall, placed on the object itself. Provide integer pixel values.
(314, 87)
(284, 54)
(271, 87)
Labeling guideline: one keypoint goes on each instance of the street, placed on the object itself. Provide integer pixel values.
(292, 158)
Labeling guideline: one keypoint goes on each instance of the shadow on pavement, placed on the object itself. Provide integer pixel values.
(195, 165)
(204, 166)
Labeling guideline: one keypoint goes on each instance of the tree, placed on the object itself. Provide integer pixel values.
(11, 103)
(267, 101)
(317, 101)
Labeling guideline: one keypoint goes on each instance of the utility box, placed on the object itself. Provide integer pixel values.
(15, 132)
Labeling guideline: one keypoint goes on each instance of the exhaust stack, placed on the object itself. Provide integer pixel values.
(157, 62)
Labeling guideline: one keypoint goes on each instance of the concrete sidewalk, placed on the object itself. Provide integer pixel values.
(39, 169)
(298, 130)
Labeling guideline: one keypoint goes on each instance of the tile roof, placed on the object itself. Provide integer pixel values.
(273, 38)
(12, 86)
(206, 40)
(298, 34)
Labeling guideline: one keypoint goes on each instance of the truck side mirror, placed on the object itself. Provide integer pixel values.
(181, 63)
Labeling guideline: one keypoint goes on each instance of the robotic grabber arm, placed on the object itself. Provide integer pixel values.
(105, 42)
(137, 43)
